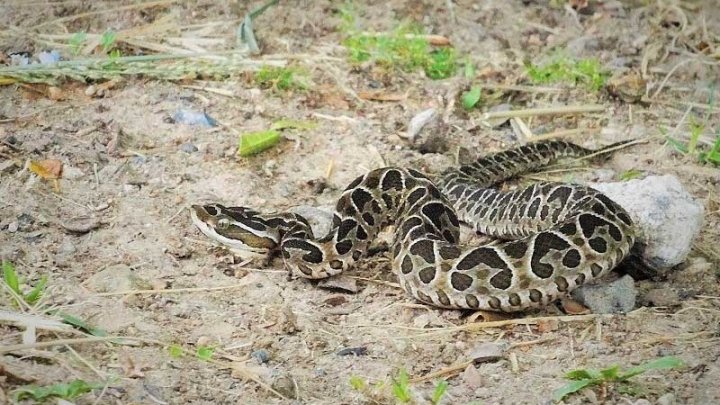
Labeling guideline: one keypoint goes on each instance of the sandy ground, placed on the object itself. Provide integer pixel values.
(127, 168)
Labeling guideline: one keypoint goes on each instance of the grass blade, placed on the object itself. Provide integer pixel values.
(570, 388)
(252, 143)
(667, 362)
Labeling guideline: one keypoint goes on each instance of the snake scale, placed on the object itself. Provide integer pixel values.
(549, 237)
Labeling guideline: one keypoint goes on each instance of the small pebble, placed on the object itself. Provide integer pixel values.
(261, 355)
(13, 226)
(357, 351)
(188, 147)
(90, 90)
(667, 399)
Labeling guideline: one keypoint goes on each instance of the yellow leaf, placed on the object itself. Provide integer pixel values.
(50, 169)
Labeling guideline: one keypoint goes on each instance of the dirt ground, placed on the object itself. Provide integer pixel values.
(130, 173)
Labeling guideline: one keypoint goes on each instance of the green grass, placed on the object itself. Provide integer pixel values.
(564, 69)
(630, 174)
(400, 390)
(15, 284)
(611, 377)
(399, 49)
(66, 391)
(705, 155)
(281, 78)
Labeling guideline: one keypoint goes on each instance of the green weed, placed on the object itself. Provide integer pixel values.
(81, 324)
(691, 147)
(76, 42)
(107, 40)
(630, 174)
(281, 78)
(587, 72)
(402, 48)
(175, 351)
(205, 353)
(471, 97)
(582, 378)
(13, 282)
(400, 389)
(66, 391)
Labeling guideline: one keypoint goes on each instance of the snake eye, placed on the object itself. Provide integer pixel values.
(223, 223)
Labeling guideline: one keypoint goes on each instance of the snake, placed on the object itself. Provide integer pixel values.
(546, 239)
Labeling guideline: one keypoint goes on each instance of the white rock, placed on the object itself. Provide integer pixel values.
(668, 218)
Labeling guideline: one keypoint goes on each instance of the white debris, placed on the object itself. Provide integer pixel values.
(419, 121)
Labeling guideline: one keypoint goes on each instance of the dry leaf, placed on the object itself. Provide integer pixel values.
(550, 325)
(572, 307)
(50, 169)
(340, 282)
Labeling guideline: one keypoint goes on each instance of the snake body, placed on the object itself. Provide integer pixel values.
(551, 237)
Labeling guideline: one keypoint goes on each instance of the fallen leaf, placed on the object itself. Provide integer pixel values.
(50, 169)
(547, 326)
(472, 377)
(340, 282)
(572, 307)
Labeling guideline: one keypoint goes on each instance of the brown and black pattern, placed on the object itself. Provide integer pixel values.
(551, 237)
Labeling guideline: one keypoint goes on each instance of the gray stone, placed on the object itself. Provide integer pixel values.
(608, 298)
(667, 217)
(188, 147)
(261, 355)
(667, 399)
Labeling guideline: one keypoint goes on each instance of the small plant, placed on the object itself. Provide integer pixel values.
(82, 325)
(561, 68)
(66, 391)
(400, 389)
(107, 40)
(12, 281)
(711, 156)
(205, 353)
(610, 376)
(280, 78)
(175, 351)
(471, 97)
(76, 42)
(441, 64)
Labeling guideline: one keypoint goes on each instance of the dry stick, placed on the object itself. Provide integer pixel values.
(533, 112)
(174, 290)
(463, 365)
(520, 88)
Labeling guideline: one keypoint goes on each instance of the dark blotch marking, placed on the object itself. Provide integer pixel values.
(544, 211)
(595, 269)
(336, 264)
(305, 269)
(407, 265)
(568, 229)
(343, 247)
(344, 229)
(598, 244)
(427, 274)
(424, 297)
(610, 204)
(514, 300)
(354, 183)
(392, 180)
(571, 259)
(580, 279)
(472, 301)
(372, 179)
(424, 249)
(560, 193)
(450, 252)
(368, 218)
(615, 232)
(388, 200)
(483, 255)
(494, 302)
(356, 255)
(502, 279)
(361, 233)
(460, 281)
(415, 196)
(376, 208)
(409, 224)
(452, 217)
(623, 217)
(535, 295)
(434, 212)
(417, 174)
(532, 210)
(589, 222)
(516, 249)
(598, 209)
(211, 210)
(562, 284)
(443, 298)
(361, 197)
(313, 255)
(544, 243)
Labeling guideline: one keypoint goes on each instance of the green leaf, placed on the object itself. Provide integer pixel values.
(107, 40)
(10, 277)
(610, 373)
(630, 174)
(205, 353)
(34, 295)
(400, 387)
(667, 362)
(582, 374)
(469, 71)
(252, 143)
(66, 391)
(470, 98)
(677, 145)
(357, 383)
(82, 325)
(76, 42)
(175, 351)
(439, 392)
(570, 388)
(279, 125)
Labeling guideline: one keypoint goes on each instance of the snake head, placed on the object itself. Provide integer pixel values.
(238, 228)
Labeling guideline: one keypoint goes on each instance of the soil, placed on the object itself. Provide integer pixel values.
(119, 221)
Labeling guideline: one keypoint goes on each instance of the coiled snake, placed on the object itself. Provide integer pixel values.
(551, 237)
